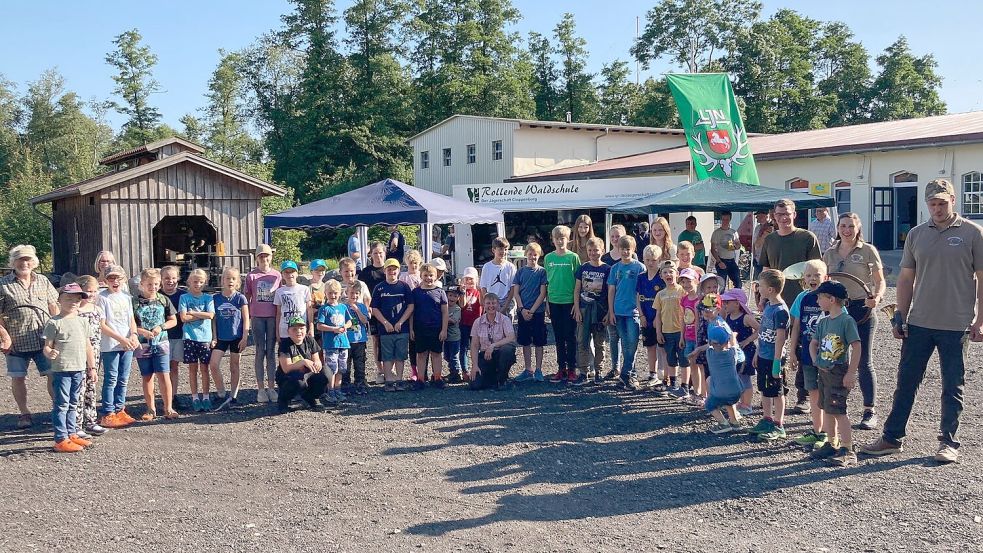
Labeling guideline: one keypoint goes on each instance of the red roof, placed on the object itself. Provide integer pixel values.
(942, 130)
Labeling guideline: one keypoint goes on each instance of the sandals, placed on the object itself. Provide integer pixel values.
(171, 415)
(148, 416)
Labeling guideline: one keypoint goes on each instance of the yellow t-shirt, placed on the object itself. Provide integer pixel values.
(667, 305)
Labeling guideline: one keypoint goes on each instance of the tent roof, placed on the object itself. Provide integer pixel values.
(387, 202)
(718, 195)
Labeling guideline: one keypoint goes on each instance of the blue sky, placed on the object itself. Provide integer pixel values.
(75, 36)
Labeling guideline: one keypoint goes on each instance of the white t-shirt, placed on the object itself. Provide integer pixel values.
(293, 302)
(723, 239)
(117, 310)
(497, 279)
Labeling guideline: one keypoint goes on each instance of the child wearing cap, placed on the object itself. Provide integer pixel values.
(745, 327)
(470, 302)
(835, 348)
(334, 321)
(292, 300)
(318, 269)
(806, 313)
(154, 314)
(768, 359)
(358, 335)
(441, 267)
(668, 321)
(392, 307)
(452, 345)
(428, 327)
(529, 291)
(300, 372)
(688, 279)
(88, 413)
(197, 309)
(723, 357)
(119, 339)
(67, 346)
(709, 308)
(650, 283)
(261, 284)
(231, 330)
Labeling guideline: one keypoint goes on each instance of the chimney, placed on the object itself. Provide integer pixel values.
(569, 117)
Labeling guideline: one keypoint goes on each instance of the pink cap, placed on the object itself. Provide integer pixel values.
(690, 274)
(738, 295)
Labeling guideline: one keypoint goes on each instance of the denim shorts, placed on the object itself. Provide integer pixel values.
(394, 347)
(713, 402)
(690, 346)
(154, 364)
(673, 351)
(18, 363)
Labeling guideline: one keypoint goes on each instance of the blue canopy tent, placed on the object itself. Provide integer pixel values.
(387, 202)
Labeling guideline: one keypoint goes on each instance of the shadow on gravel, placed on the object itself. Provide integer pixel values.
(615, 453)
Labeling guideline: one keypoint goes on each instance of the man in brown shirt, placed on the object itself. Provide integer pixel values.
(940, 306)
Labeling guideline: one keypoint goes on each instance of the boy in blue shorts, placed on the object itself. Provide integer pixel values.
(529, 291)
(154, 314)
(392, 307)
(806, 313)
(334, 321)
(768, 362)
(623, 309)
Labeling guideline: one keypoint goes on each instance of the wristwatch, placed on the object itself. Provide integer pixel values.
(899, 322)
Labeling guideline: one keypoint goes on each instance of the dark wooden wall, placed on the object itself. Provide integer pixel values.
(76, 235)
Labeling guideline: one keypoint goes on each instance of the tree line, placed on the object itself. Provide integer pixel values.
(325, 101)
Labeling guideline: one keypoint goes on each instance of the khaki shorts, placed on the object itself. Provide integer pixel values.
(832, 394)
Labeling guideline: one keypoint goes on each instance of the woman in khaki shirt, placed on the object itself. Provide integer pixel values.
(852, 255)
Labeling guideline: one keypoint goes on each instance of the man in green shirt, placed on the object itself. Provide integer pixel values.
(694, 237)
(561, 268)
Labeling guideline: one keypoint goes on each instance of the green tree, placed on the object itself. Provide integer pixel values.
(226, 116)
(619, 98)
(907, 86)
(286, 242)
(844, 76)
(546, 77)
(693, 33)
(656, 106)
(193, 128)
(579, 97)
(134, 65)
(19, 223)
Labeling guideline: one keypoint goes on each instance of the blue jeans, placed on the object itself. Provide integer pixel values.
(916, 350)
(614, 343)
(116, 371)
(628, 331)
(452, 352)
(731, 271)
(465, 348)
(64, 410)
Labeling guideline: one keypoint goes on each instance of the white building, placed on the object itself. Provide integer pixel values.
(878, 170)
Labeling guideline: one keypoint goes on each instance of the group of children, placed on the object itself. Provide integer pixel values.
(704, 346)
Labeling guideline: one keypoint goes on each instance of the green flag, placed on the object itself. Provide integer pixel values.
(714, 131)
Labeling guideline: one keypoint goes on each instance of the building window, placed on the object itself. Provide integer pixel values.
(798, 184)
(496, 150)
(842, 200)
(447, 157)
(472, 153)
(973, 193)
(903, 177)
(424, 160)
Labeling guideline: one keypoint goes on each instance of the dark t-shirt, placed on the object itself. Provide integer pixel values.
(176, 333)
(426, 308)
(295, 352)
(392, 300)
(400, 246)
(647, 289)
(593, 282)
(372, 276)
(806, 309)
(779, 252)
(449, 242)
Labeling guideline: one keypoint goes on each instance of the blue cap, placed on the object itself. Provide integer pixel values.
(718, 334)
(288, 264)
(317, 263)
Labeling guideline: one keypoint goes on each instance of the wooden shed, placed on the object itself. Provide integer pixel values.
(154, 202)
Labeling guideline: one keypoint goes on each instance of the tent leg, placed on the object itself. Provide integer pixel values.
(425, 234)
(608, 221)
(363, 244)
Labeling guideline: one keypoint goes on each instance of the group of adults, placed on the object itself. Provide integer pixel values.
(395, 246)
(939, 298)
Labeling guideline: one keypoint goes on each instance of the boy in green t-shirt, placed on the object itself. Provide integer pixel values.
(835, 349)
(561, 268)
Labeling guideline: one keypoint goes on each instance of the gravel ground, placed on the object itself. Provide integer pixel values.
(538, 468)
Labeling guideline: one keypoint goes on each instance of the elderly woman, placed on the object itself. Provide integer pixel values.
(27, 300)
(852, 255)
(104, 260)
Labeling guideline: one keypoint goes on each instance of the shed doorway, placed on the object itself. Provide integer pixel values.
(180, 240)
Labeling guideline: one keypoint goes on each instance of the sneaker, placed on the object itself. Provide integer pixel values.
(680, 392)
(125, 417)
(328, 399)
(95, 430)
(380, 378)
(611, 375)
(82, 434)
(721, 428)
(439, 384)
(882, 447)
(844, 457)
(454, 378)
(313, 406)
(764, 425)
(390, 387)
(261, 396)
(821, 439)
(578, 381)
(340, 396)
(695, 401)
(274, 397)
(67, 446)
(361, 389)
(538, 375)
(525, 376)
(207, 404)
(776, 433)
(78, 440)
(808, 439)
(745, 411)
(869, 421)
(660, 390)
(946, 454)
(825, 452)
(631, 383)
(740, 425)
(24, 422)
(111, 421)
(802, 407)
(197, 405)
(559, 377)
(402, 386)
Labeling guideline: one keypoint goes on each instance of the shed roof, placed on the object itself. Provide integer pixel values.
(105, 180)
(125, 154)
(942, 130)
